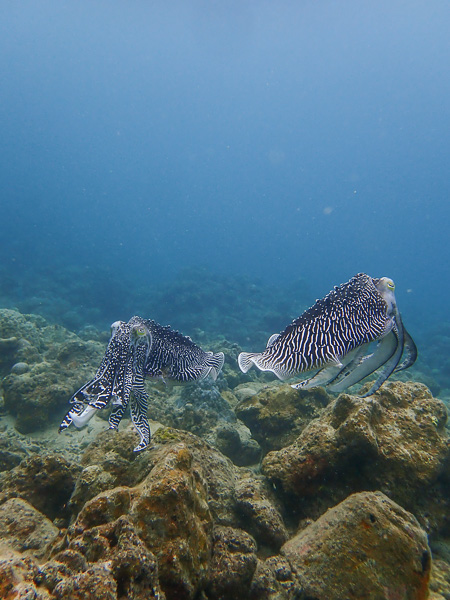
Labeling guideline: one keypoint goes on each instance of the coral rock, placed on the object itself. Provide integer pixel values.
(25, 529)
(277, 414)
(233, 564)
(365, 548)
(394, 442)
(274, 579)
(45, 481)
(255, 503)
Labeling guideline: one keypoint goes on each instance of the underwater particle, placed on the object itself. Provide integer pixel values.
(334, 336)
(327, 210)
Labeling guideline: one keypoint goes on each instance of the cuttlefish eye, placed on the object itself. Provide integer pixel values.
(390, 284)
(139, 332)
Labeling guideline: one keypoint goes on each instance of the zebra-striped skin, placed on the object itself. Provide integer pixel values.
(176, 357)
(333, 334)
(139, 349)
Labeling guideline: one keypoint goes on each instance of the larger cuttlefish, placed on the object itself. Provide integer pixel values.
(334, 336)
(138, 349)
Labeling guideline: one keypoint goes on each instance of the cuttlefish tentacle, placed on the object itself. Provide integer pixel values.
(141, 345)
(387, 353)
(110, 381)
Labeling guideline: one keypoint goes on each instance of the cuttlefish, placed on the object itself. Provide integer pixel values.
(335, 335)
(139, 349)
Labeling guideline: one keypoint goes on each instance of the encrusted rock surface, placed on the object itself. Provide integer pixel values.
(58, 363)
(181, 521)
(45, 481)
(233, 564)
(366, 547)
(395, 442)
(277, 414)
(205, 408)
(180, 499)
(25, 529)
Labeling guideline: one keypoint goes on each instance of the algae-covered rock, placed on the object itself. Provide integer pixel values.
(175, 492)
(12, 452)
(57, 364)
(205, 408)
(258, 509)
(275, 579)
(109, 561)
(440, 578)
(277, 414)
(395, 442)
(233, 564)
(169, 513)
(365, 548)
(45, 481)
(25, 529)
(17, 575)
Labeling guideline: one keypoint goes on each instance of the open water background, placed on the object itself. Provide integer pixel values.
(274, 141)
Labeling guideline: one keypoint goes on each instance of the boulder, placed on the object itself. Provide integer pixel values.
(57, 364)
(274, 579)
(394, 441)
(25, 529)
(259, 512)
(233, 564)
(277, 414)
(17, 574)
(168, 512)
(108, 562)
(176, 492)
(45, 481)
(365, 548)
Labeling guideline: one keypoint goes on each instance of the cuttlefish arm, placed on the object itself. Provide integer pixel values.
(409, 352)
(140, 347)
(388, 352)
(331, 371)
(363, 366)
(389, 366)
(109, 382)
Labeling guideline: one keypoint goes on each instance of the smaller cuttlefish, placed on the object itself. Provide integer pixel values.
(138, 349)
(334, 336)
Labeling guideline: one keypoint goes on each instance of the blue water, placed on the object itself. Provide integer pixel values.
(273, 140)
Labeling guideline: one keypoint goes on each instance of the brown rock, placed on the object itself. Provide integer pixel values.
(259, 512)
(107, 463)
(277, 414)
(59, 362)
(17, 578)
(233, 564)
(110, 557)
(168, 512)
(440, 578)
(274, 579)
(25, 529)
(395, 442)
(365, 548)
(45, 481)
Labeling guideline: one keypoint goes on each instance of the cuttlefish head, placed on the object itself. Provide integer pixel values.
(386, 287)
(140, 345)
